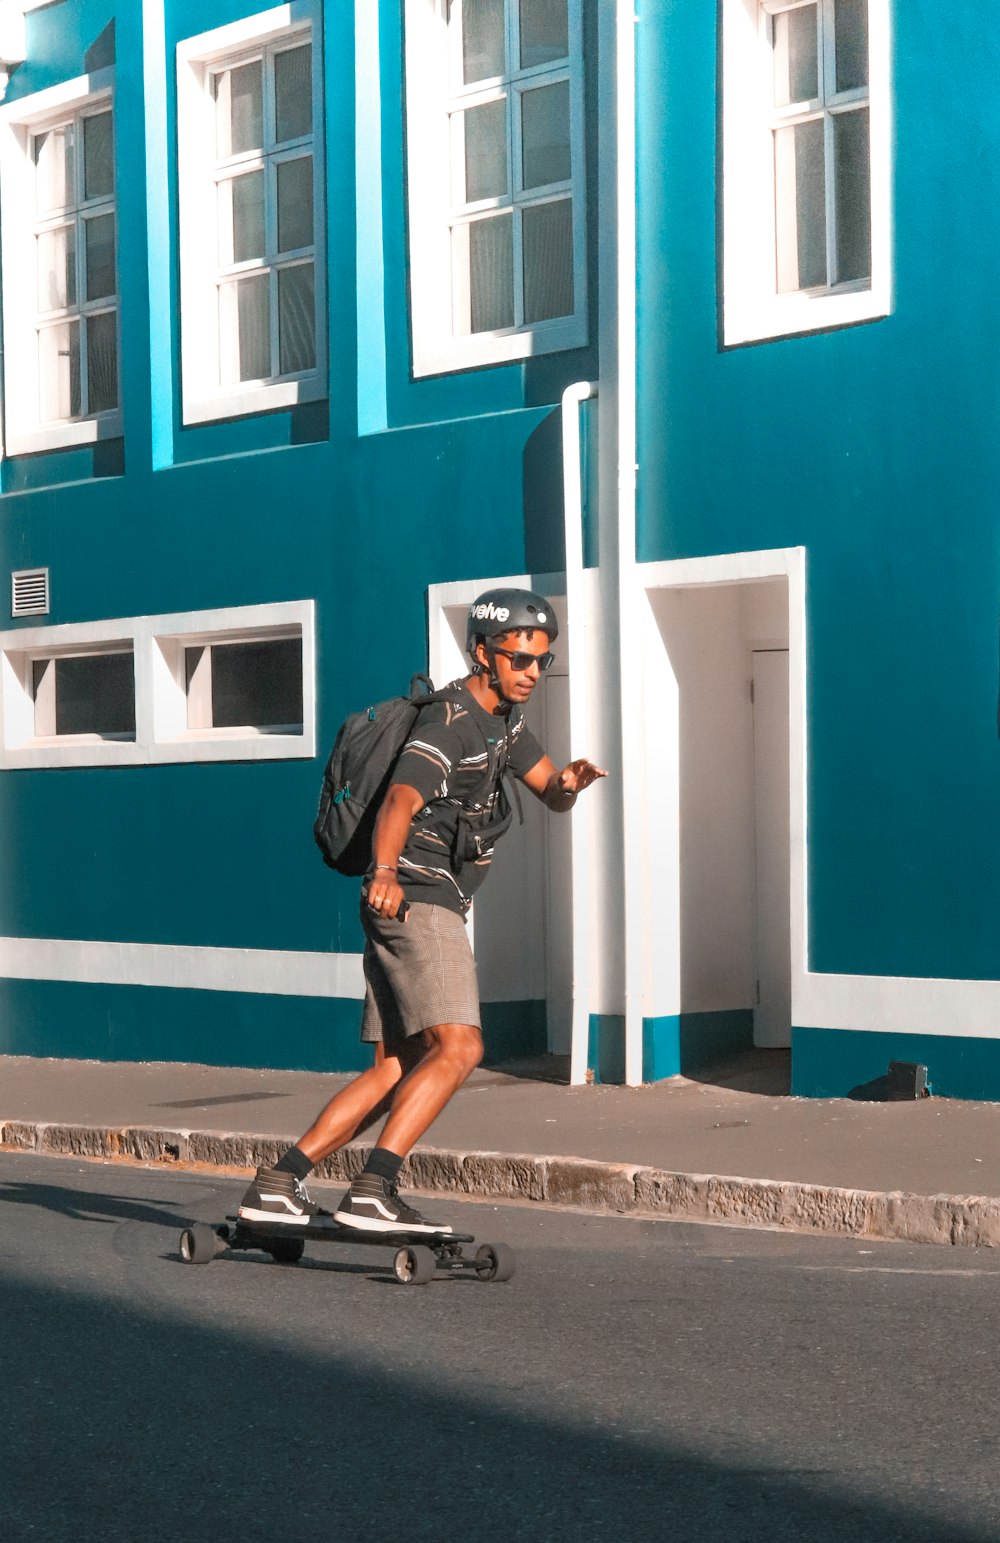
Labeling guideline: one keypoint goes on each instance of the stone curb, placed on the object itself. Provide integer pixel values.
(971, 1221)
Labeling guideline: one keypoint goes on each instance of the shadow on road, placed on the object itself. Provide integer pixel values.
(130, 1421)
(217, 1101)
(86, 1205)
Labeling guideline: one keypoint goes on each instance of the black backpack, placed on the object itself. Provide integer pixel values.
(358, 774)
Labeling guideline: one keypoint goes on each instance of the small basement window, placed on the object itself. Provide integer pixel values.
(86, 694)
(245, 685)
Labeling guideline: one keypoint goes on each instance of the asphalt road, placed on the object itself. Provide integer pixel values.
(635, 1380)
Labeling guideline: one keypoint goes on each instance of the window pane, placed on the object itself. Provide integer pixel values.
(239, 114)
(545, 135)
(547, 242)
(800, 205)
(851, 42)
(544, 31)
(296, 318)
(483, 51)
(257, 685)
(245, 196)
(293, 93)
(94, 695)
(853, 195)
(99, 240)
(245, 330)
(102, 362)
(486, 151)
(53, 153)
(59, 372)
(57, 268)
(98, 156)
(295, 203)
(491, 273)
(796, 58)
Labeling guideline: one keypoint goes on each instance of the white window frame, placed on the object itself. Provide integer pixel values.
(204, 398)
(24, 431)
(753, 310)
(162, 734)
(430, 96)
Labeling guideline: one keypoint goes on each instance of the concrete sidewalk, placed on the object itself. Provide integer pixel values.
(731, 1147)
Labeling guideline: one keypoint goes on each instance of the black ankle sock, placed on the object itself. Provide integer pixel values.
(295, 1161)
(384, 1164)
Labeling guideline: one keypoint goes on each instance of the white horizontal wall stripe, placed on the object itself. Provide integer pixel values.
(873, 1003)
(893, 1004)
(270, 972)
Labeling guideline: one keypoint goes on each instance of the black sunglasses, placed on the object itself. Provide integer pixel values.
(524, 661)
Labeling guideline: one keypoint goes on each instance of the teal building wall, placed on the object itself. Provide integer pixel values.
(874, 447)
(358, 503)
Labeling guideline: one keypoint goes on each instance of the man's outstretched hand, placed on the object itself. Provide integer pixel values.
(578, 775)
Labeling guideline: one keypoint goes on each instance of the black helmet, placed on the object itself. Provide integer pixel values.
(509, 610)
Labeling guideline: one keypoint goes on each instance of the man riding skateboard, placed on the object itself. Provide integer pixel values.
(431, 850)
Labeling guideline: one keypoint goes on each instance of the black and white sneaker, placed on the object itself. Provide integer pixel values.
(372, 1204)
(276, 1196)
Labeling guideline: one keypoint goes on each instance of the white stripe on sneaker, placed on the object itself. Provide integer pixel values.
(284, 1200)
(375, 1224)
(247, 1213)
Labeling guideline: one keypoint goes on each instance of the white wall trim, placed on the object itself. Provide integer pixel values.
(898, 1004)
(261, 971)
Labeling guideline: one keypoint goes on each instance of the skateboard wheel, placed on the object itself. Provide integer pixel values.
(286, 1250)
(495, 1261)
(415, 1265)
(200, 1244)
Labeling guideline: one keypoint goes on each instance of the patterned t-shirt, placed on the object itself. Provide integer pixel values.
(448, 759)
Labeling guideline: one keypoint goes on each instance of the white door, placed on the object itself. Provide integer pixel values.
(773, 1009)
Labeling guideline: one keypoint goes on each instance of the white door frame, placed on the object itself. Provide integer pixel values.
(661, 934)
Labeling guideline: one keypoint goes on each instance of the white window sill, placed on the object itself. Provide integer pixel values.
(779, 316)
(68, 435)
(88, 750)
(485, 348)
(254, 399)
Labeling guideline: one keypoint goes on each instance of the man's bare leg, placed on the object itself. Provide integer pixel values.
(452, 1051)
(357, 1105)
(418, 1082)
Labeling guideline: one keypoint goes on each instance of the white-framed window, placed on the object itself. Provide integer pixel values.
(87, 694)
(250, 139)
(806, 165)
(495, 178)
(236, 684)
(59, 229)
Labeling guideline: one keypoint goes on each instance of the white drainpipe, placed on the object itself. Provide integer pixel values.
(630, 593)
(579, 716)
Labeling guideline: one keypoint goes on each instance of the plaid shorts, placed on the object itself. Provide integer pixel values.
(418, 974)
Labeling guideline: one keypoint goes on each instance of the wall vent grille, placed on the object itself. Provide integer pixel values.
(30, 592)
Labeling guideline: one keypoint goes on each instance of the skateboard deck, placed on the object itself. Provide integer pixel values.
(325, 1229)
(419, 1256)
